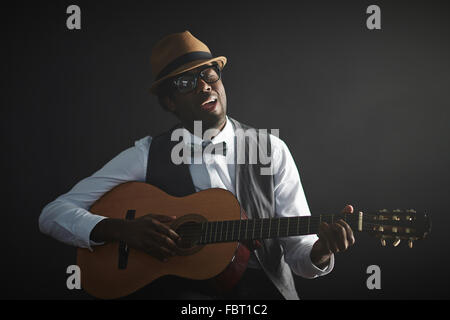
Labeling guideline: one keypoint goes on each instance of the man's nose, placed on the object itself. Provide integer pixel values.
(203, 86)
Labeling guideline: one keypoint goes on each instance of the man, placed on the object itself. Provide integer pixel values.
(188, 84)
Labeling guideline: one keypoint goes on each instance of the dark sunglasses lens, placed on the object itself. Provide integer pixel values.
(210, 75)
(185, 83)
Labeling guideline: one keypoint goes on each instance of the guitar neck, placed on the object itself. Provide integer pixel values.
(252, 229)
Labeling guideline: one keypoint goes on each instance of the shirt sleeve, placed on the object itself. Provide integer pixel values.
(290, 200)
(68, 219)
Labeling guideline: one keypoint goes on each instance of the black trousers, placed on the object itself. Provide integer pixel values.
(254, 285)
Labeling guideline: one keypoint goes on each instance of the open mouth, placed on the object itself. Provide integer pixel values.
(209, 104)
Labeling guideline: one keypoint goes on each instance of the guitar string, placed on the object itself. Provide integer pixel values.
(260, 224)
(340, 216)
(283, 231)
(265, 231)
(313, 219)
(193, 231)
(271, 236)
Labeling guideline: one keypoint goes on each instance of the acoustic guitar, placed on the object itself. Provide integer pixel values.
(213, 229)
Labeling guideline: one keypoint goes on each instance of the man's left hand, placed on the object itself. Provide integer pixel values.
(333, 238)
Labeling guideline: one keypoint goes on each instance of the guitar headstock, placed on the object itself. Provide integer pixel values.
(398, 224)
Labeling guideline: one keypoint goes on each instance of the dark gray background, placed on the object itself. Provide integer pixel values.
(364, 113)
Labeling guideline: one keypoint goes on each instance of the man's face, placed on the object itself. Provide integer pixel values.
(206, 102)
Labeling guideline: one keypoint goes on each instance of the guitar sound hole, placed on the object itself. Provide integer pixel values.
(189, 233)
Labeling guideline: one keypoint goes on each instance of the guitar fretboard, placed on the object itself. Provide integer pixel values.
(250, 229)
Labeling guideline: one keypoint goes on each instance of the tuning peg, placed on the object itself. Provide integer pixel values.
(410, 243)
(411, 211)
(383, 242)
(396, 242)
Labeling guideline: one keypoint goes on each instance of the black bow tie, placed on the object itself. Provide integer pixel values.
(216, 148)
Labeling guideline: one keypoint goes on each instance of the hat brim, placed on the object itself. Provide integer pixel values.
(186, 67)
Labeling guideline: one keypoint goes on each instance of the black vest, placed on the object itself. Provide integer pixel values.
(254, 191)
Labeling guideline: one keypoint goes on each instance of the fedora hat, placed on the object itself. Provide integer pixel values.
(177, 53)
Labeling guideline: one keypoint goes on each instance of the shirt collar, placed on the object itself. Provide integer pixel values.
(226, 134)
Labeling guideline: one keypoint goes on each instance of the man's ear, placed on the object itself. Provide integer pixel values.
(168, 102)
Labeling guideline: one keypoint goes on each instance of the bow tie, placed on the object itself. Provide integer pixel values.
(213, 148)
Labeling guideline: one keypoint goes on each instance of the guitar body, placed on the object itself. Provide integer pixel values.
(100, 272)
(211, 227)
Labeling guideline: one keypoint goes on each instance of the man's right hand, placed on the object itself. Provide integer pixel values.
(148, 233)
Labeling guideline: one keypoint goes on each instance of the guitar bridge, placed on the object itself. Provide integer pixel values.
(123, 247)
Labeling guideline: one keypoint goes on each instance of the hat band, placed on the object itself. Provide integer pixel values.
(185, 58)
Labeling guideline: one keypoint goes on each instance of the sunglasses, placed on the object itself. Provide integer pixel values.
(188, 81)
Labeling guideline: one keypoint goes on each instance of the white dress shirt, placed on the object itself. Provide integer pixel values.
(68, 218)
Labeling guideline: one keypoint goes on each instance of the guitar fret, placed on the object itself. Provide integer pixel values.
(232, 230)
(217, 232)
(261, 231)
(253, 231)
(206, 231)
(270, 224)
(210, 234)
(287, 229)
(239, 234)
(278, 230)
(221, 231)
(226, 232)
(246, 228)
(201, 233)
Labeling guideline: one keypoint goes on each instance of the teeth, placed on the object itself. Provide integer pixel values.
(212, 100)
